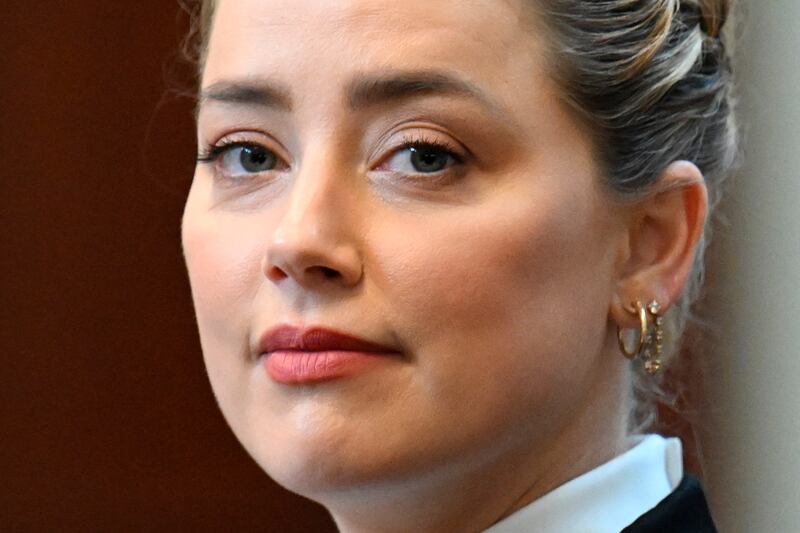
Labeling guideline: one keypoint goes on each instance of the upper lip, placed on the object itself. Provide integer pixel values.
(316, 339)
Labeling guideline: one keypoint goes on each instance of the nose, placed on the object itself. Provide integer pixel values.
(313, 243)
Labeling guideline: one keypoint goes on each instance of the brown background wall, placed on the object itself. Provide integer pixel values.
(107, 422)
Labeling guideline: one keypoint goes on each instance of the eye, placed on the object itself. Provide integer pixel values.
(247, 159)
(236, 159)
(421, 158)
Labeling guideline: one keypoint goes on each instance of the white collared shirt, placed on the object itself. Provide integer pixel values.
(608, 498)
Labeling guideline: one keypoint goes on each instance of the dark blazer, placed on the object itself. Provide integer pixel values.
(684, 511)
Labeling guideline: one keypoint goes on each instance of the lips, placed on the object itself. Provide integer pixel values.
(285, 337)
(299, 356)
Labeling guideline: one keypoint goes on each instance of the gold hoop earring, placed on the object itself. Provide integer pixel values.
(651, 343)
(635, 308)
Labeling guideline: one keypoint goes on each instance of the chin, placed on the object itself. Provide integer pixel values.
(315, 470)
(317, 459)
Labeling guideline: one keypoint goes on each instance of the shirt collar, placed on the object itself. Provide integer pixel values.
(608, 498)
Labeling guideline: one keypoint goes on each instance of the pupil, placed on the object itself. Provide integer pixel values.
(428, 160)
(255, 159)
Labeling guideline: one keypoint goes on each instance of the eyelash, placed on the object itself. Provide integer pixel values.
(212, 153)
(424, 142)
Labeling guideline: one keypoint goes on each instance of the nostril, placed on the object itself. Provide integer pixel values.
(276, 274)
(329, 272)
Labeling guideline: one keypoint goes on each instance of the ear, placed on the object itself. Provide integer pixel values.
(662, 232)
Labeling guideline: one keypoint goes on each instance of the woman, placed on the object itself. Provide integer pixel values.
(418, 232)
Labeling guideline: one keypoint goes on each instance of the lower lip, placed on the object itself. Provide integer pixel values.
(298, 367)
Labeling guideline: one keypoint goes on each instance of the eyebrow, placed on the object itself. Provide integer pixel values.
(362, 92)
(248, 92)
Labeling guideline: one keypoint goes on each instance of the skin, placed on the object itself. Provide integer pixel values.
(500, 280)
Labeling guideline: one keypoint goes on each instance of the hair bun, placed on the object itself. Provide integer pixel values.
(713, 14)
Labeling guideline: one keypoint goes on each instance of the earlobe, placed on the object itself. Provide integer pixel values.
(663, 232)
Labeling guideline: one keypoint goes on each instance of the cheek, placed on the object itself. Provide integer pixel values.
(220, 266)
(223, 259)
(504, 301)
(223, 263)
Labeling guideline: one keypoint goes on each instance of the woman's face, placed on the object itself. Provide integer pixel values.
(402, 172)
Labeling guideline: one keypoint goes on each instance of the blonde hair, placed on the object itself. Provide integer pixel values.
(653, 82)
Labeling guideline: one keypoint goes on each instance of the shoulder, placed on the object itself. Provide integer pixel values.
(685, 510)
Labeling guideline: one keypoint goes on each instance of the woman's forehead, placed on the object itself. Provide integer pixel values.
(316, 39)
(371, 14)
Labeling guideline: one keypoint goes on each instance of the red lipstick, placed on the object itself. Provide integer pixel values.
(297, 356)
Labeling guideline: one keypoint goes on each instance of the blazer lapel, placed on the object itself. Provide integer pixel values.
(685, 510)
